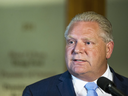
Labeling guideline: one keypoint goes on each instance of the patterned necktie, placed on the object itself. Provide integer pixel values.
(91, 87)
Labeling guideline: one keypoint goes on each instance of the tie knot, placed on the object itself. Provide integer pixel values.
(91, 86)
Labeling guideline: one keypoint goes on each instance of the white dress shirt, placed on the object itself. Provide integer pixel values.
(79, 84)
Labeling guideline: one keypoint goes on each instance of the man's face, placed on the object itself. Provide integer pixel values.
(86, 52)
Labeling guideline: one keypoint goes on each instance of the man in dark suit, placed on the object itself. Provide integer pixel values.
(89, 43)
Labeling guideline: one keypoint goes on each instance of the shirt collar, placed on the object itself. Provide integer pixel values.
(80, 83)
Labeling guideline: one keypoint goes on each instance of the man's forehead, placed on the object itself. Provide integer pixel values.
(84, 38)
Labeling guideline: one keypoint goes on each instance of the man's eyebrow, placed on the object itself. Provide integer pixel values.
(69, 37)
(88, 39)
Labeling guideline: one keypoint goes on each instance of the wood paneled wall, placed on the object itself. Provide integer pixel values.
(79, 6)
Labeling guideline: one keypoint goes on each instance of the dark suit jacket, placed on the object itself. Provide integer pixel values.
(61, 85)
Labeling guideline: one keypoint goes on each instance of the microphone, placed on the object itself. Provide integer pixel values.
(108, 86)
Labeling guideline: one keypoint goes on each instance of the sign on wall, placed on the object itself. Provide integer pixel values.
(32, 46)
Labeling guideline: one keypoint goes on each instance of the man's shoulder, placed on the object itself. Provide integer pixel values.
(120, 81)
(119, 77)
(46, 81)
(45, 86)
(53, 80)
(122, 78)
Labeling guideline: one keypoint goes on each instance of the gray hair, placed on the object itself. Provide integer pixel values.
(91, 16)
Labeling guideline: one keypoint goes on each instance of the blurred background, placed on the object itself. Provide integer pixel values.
(32, 44)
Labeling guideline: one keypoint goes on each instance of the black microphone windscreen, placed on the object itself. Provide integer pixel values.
(103, 83)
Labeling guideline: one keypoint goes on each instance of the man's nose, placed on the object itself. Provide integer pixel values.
(79, 48)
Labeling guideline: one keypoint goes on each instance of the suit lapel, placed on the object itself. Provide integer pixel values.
(117, 79)
(65, 86)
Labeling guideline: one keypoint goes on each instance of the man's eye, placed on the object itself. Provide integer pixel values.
(71, 42)
(88, 43)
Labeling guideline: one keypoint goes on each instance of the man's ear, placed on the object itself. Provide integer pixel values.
(109, 49)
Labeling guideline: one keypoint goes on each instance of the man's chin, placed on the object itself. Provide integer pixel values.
(77, 72)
